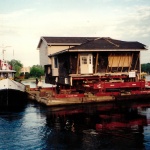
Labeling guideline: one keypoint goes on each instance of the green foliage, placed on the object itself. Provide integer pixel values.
(27, 75)
(36, 71)
(145, 68)
(16, 65)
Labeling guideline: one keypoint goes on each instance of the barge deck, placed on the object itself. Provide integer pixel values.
(49, 97)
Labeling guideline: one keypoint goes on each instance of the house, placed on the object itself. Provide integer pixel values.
(50, 45)
(74, 61)
(25, 69)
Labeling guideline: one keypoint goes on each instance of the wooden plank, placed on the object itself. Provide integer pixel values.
(123, 63)
(119, 63)
(112, 62)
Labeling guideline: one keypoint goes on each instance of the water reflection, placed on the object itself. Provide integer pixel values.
(100, 126)
(119, 125)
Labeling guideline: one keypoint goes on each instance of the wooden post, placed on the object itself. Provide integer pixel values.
(136, 62)
(96, 63)
(108, 64)
(78, 60)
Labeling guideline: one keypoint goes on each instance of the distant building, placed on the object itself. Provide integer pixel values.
(25, 69)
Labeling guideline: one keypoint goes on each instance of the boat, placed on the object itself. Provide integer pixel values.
(12, 93)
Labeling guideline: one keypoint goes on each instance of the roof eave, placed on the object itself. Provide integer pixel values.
(39, 44)
(61, 52)
(98, 50)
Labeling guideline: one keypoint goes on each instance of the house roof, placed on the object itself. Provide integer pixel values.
(64, 40)
(108, 43)
(105, 44)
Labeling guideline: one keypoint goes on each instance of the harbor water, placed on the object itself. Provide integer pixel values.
(106, 126)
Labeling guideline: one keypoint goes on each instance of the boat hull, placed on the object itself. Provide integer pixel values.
(11, 97)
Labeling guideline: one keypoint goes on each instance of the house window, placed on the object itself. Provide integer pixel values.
(84, 60)
(55, 62)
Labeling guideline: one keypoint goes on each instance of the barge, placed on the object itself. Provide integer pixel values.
(94, 69)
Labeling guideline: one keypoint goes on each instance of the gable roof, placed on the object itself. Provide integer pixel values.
(108, 43)
(64, 40)
(104, 44)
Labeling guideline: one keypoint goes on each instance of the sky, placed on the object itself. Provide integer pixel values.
(23, 22)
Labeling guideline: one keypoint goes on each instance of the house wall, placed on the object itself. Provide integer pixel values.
(45, 51)
(68, 64)
(73, 63)
(53, 49)
(64, 68)
(25, 69)
(43, 54)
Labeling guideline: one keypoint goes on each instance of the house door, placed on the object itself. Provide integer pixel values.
(86, 63)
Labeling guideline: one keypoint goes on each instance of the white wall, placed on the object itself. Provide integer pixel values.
(43, 54)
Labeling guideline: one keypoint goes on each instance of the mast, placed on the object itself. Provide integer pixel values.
(3, 50)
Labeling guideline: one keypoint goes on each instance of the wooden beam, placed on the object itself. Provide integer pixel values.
(78, 62)
(136, 61)
(108, 64)
(96, 63)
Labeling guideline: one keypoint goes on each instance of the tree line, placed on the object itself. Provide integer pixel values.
(145, 68)
(35, 70)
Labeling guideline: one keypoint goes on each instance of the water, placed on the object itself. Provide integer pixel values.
(32, 83)
(111, 126)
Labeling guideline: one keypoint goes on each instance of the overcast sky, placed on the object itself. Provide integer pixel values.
(23, 22)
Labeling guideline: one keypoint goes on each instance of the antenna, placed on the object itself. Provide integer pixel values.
(3, 50)
(3, 53)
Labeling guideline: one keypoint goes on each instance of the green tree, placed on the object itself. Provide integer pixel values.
(145, 67)
(27, 75)
(36, 71)
(16, 65)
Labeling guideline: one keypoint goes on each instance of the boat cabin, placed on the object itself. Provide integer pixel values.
(6, 70)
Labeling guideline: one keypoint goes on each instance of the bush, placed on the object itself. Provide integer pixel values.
(27, 75)
(37, 71)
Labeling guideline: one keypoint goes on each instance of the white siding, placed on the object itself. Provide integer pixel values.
(44, 60)
(54, 49)
(45, 51)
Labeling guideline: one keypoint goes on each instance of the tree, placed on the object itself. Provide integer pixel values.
(145, 67)
(27, 75)
(36, 71)
(16, 65)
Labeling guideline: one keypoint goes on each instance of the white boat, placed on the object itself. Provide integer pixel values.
(12, 93)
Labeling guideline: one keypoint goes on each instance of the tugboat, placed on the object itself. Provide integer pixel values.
(12, 93)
